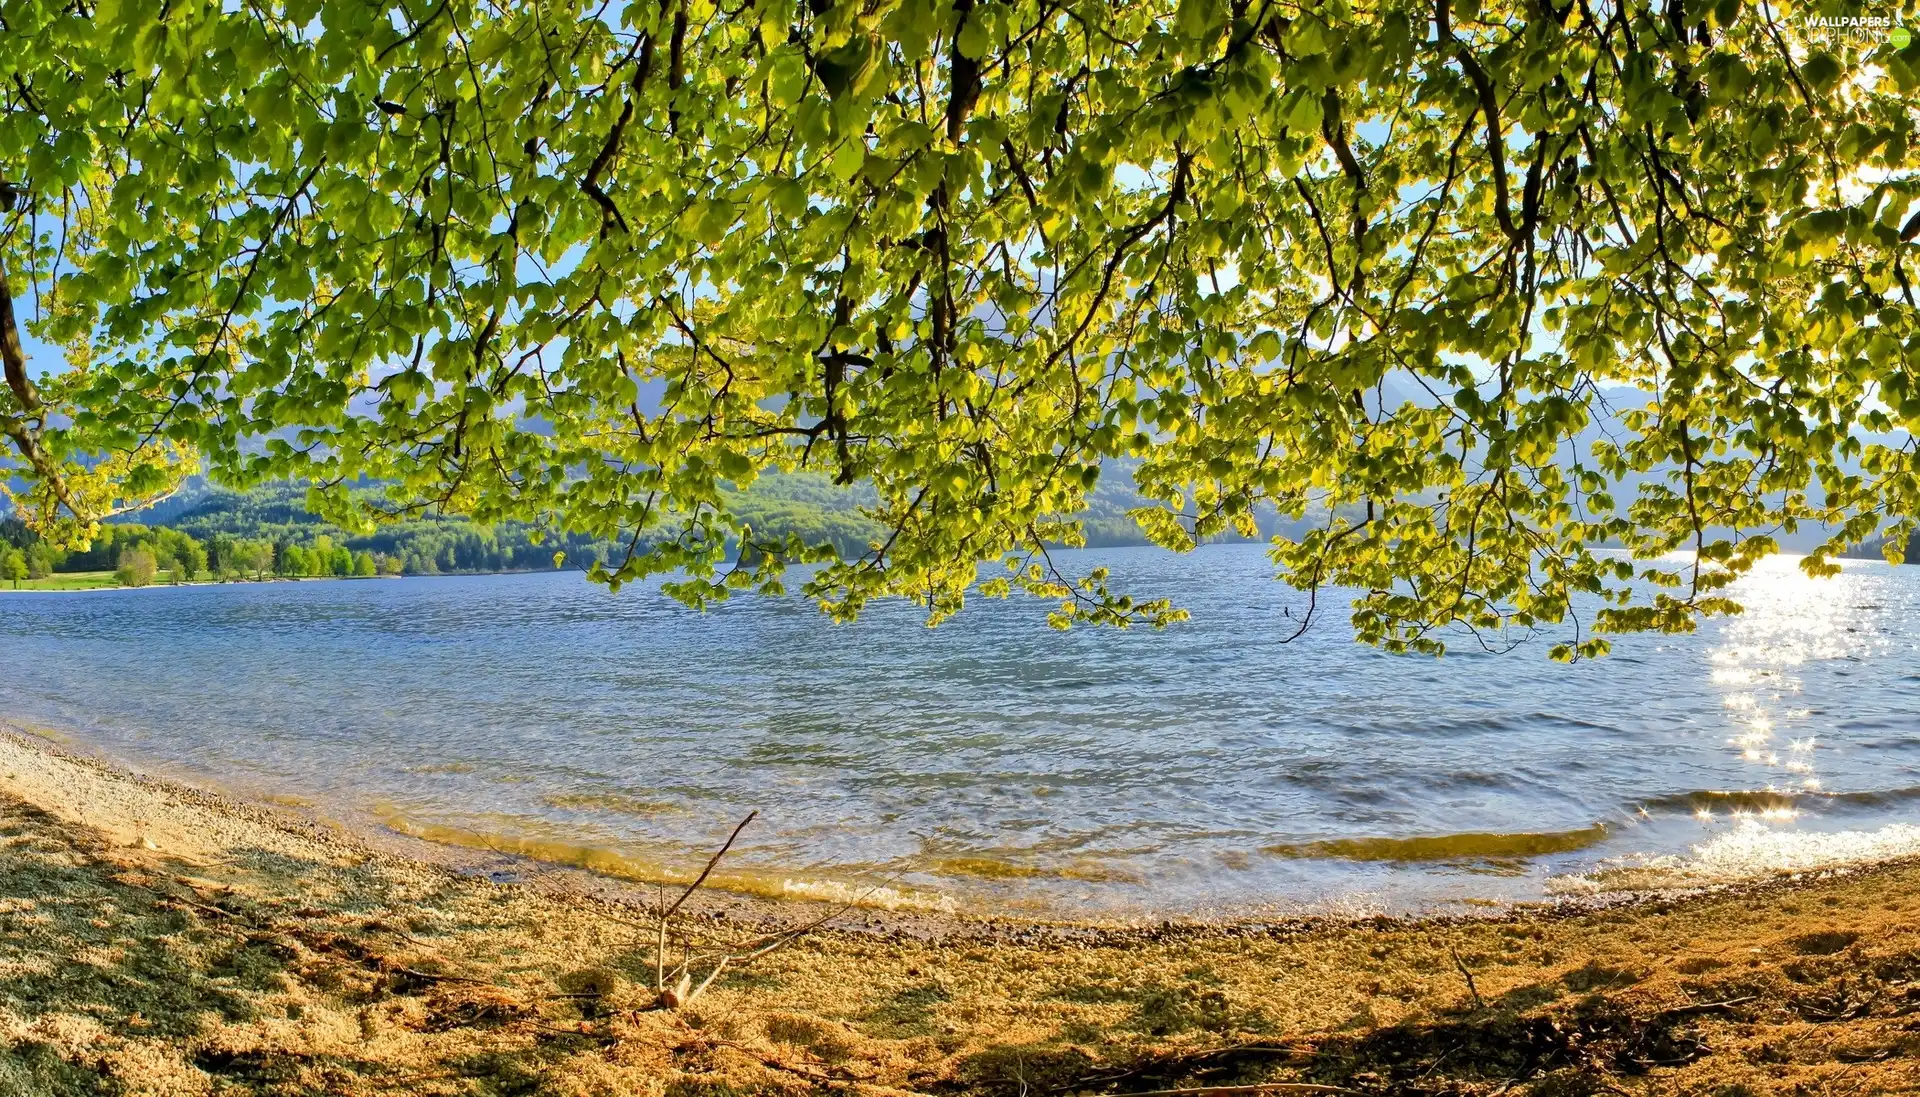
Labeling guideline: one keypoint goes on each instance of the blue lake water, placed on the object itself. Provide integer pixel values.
(1209, 768)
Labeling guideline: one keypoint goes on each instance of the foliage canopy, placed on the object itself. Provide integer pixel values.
(1381, 265)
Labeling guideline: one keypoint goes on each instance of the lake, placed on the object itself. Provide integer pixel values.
(995, 763)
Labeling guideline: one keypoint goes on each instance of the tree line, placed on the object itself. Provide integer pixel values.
(209, 533)
(139, 555)
(214, 534)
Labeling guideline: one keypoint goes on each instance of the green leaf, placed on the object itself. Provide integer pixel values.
(975, 39)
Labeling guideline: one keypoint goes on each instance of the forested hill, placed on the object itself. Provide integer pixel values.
(442, 544)
(206, 531)
(269, 531)
(211, 532)
(808, 504)
(276, 515)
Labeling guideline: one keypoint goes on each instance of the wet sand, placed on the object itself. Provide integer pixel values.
(158, 939)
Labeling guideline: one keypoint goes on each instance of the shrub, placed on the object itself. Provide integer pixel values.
(137, 567)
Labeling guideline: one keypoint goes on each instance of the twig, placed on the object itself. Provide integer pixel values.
(544, 1027)
(845, 1077)
(1257, 1087)
(660, 944)
(1478, 1003)
(1704, 1007)
(1189, 1059)
(205, 908)
(735, 953)
(708, 871)
(388, 927)
(411, 973)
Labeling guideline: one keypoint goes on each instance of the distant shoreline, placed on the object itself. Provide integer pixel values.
(7, 588)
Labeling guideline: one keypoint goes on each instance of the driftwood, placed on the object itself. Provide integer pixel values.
(677, 986)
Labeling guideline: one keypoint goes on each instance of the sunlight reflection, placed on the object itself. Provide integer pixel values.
(1791, 619)
(1745, 852)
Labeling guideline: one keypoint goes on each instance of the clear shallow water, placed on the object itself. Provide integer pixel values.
(1209, 769)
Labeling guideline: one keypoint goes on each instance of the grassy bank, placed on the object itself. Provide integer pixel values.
(107, 580)
(154, 940)
(65, 580)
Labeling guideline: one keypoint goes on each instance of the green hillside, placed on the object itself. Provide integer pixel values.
(210, 532)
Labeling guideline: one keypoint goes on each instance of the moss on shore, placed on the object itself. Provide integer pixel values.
(157, 941)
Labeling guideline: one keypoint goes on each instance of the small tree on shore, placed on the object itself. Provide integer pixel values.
(137, 567)
(194, 560)
(252, 558)
(13, 566)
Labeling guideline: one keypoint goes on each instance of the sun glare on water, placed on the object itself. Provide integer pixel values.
(1791, 620)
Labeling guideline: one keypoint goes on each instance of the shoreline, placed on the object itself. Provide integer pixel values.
(750, 901)
(159, 939)
(4, 589)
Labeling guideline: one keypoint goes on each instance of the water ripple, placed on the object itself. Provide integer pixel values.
(995, 760)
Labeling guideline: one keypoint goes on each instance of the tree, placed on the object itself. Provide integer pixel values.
(253, 558)
(263, 556)
(291, 560)
(13, 565)
(364, 566)
(1464, 291)
(193, 559)
(320, 552)
(137, 567)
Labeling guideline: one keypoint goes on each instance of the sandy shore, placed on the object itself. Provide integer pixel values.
(156, 939)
